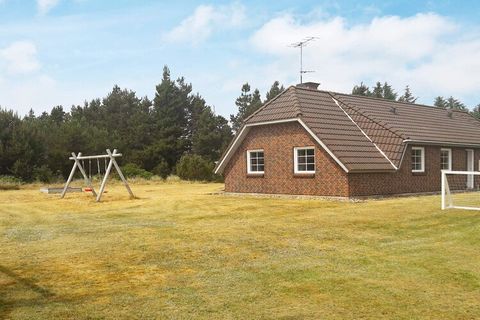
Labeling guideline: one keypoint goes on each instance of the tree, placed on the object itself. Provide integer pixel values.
(274, 91)
(440, 102)
(212, 136)
(247, 104)
(407, 96)
(476, 111)
(450, 103)
(170, 108)
(377, 91)
(361, 90)
(388, 92)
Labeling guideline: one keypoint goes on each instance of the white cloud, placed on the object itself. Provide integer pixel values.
(19, 58)
(427, 51)
(44, 6)
(205, 19)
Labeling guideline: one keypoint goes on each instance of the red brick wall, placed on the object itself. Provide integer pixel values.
(278, 141)
(404, 180)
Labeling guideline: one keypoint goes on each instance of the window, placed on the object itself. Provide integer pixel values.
(446, 159)
(255, 161)
(304, 160)
(418, 159)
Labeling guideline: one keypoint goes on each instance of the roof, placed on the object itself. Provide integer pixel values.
(363, 134)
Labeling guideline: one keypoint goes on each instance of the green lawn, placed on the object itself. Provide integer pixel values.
(181, 252)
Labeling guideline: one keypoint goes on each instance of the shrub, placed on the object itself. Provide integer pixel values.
(9, 183)
(194, 167)
(132, 170)
(162, 169)
(43, 174)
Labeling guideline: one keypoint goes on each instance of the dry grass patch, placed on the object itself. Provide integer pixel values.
(179, 252)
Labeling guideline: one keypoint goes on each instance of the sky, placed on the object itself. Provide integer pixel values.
(63, 52)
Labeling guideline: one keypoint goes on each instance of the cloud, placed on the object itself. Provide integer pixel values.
(427, 51)
(19, 58)
(44, 6)
(205, 19)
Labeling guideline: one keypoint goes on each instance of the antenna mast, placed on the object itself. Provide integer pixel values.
(300, 45)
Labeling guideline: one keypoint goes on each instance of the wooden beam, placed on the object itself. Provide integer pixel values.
(117, 167)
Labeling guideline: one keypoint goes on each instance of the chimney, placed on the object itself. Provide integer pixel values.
(393, 110)
(450, 113)
(309, 85)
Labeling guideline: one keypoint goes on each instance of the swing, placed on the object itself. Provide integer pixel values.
(79, 162)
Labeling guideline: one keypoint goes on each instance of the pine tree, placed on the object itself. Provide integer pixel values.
(476, 111)
(388, 92)
(407, 96)
(440, 102)
(361, 90)
(455, 104)
(377, 91)
(243, 102)
(274, 91)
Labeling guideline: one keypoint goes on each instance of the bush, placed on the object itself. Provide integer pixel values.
(132, 170)
(194, 167)
(9, 183)
(43, 174)
(162, 169)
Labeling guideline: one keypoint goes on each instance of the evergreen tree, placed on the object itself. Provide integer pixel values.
(440, 102)
(274, 91)
(377, 91)
(450, 103)
(247, 104)
(476, 111)
(388, 92)
(407, 96)
(170, 108)
(212, 136)
(361, 90)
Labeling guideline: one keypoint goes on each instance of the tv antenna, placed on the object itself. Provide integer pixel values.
(300, 45)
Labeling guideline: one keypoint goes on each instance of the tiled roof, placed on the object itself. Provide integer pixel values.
(367, 134)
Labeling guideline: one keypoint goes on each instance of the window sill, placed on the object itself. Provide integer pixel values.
(255, 175)
(419, 173)
(304, 175)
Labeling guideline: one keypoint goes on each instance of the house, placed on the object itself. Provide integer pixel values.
(312, 142)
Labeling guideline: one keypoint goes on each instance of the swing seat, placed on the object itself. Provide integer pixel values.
(90, 190)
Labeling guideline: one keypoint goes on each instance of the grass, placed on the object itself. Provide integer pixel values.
(181, 252)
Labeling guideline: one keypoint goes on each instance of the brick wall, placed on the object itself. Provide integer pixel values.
(278, 141)
(406, 181)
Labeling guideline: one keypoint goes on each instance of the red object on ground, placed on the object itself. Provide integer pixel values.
(90, 190)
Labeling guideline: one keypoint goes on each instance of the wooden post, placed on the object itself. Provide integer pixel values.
(70, 177)
(120, 172)
(105, 177)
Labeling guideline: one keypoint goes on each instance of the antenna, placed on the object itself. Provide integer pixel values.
(300, 45)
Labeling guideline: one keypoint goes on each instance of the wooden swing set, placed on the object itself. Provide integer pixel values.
(79, 162)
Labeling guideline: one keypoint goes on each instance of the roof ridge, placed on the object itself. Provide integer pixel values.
(378, 122)
(266, 104)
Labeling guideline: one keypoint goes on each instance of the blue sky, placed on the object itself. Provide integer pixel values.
(62, 52)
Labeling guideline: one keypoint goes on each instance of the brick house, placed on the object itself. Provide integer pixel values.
(311, 142)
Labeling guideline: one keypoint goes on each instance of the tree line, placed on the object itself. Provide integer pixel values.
(385, 91)
(175, 133)
(177, 130)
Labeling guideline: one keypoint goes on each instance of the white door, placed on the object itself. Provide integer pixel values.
(470, 168)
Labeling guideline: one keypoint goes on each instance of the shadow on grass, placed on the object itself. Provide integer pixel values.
(7, 306)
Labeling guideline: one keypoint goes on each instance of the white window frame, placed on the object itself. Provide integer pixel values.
(295, 160)
(249, 169)
(449, 158)
(422, 159)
